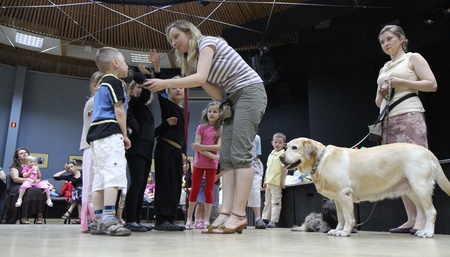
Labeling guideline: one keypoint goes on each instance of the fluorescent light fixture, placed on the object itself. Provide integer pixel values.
(29, 40)
(139, 58)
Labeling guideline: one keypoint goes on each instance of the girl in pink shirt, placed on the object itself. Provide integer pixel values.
(33, 175)
(206, 147)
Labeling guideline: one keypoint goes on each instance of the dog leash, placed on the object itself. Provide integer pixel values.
(387, 109)
(368, 218)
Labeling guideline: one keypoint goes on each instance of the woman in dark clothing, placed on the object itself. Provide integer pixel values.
(33, 201)
(141, 127)
(73, 175)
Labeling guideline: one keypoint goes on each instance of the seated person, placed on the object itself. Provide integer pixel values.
(2, 191)
(149, 189)
(70, 173)
(31, 171)
(33, 201)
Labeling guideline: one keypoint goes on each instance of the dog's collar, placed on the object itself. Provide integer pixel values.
(316, 164)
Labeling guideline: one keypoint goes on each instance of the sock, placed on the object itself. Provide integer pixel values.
(257, 218)
(109, 213)
(98, 214)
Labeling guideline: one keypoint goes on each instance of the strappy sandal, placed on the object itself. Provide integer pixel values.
(66, 215)
(76, 221)
(224, 230)
(199, 224)
(209, 229)
(114, 228)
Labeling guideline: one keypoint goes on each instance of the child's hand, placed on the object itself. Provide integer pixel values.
(195, 146)
(127, 143)
(143, 69)
(172, 121)
(155, 58)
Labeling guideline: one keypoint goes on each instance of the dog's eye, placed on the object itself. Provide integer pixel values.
(294, 148)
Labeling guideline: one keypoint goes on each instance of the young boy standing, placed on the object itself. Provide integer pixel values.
(108, 139)
(274, 181)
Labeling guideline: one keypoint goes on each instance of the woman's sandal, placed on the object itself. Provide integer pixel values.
(66, 215)
(209, 229)
(224, 230)
(77, 221)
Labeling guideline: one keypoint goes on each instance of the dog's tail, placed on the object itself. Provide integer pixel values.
(439, 175)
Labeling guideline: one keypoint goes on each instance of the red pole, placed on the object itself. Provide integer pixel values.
(186, 117)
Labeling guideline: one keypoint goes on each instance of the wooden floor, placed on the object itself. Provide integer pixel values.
(57, 240)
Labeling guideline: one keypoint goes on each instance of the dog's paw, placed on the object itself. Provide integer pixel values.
(424, 234)
(341, 233)
(297, 228)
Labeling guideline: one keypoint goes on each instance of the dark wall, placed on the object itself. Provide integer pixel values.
(341, 86)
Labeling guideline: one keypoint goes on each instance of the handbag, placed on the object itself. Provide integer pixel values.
(376, 128)
(225, 109)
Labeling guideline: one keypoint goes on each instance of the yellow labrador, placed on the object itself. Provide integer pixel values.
(371, 174)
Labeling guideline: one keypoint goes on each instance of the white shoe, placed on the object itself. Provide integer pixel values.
(49, 203)
(19, 202)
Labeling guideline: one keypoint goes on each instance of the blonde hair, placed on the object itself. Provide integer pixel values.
(131, 88)
(280, 135)
(187, 62)
(95, 78)
(104, 57)
(218, 124)
(31, 158)
(398, 31)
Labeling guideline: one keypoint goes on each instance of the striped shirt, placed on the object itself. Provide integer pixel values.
(228, 69)
(104, 122)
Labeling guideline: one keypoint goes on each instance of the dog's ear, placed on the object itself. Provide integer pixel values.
(310, 149)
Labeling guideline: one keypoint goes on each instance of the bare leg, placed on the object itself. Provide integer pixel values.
(411, 212)
(110, 196)
(19, 200)
(228, 196)
(257, 212)
(97, 200)
(200, 212)
(190, 213)
(244, 179)
(208, 208)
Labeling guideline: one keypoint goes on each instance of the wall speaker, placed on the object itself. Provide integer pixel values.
(265, 68)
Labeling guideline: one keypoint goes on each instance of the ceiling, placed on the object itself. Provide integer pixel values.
(76, 28)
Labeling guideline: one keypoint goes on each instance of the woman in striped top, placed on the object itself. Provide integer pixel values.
(211, 63)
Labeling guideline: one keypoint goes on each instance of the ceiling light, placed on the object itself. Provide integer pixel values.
(429, 21)
(139, 58)
(29, 40)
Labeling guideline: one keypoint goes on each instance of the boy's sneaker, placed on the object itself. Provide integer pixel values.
(271, 224)
(260, 224)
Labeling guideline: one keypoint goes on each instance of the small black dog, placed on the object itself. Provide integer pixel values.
(323, 221)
